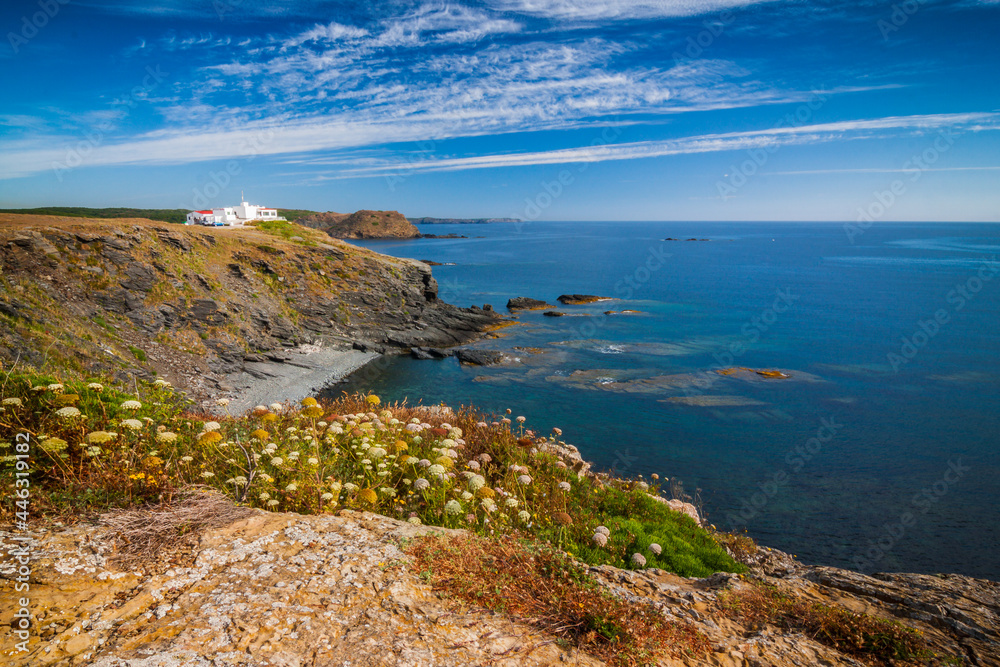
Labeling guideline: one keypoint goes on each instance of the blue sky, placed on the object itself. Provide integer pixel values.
(563, 110)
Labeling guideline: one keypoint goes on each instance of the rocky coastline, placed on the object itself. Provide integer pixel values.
(259, 318)
(216, 310)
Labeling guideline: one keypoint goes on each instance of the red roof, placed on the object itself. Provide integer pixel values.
(204, 212)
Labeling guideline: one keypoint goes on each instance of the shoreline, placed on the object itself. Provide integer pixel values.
(304, 371)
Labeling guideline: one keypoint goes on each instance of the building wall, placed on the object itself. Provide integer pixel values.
(233, 214)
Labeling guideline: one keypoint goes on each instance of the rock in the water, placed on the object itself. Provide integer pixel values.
(526, 303)
(479, 357)
(429, 353)
(580, 299)
(553, 313)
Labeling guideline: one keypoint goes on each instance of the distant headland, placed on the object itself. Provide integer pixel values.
(460, 221)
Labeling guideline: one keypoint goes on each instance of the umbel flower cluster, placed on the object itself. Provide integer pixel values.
(487, 474)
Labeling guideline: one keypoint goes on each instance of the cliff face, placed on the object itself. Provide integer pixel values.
(320, 220)
(134, 296)
(284, 589)
(373, 225)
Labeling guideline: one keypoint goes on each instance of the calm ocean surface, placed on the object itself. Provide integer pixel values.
(860, 459)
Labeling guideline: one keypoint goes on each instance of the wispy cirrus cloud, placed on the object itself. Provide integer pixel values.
(885, 170)
(588, 10)
(770, 139)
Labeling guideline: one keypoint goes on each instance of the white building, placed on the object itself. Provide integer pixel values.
(233, 215)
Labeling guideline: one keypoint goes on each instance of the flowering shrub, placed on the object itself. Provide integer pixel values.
(108, 448)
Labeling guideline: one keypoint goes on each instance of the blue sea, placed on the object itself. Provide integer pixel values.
(881, 449)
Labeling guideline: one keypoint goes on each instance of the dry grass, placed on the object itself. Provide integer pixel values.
(552, 592)
(874, 639)
(741, 547)
(144, 535)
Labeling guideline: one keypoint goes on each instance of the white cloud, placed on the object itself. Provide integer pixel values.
(589, 10)
(770, 139)
(894, 170)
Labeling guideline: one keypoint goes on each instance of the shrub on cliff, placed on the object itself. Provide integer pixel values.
(96, 446)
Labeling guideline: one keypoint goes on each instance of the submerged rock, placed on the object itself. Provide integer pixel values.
(714, 401)
(744, 372)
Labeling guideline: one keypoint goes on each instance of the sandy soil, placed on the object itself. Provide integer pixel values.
(307, 372)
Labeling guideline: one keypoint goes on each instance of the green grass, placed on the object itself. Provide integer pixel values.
(286, 230)
(175, 215)
(293, 214)
(137, 353)
(636, 521)
(475, 472)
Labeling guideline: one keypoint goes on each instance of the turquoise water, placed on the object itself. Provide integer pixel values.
(875, 454)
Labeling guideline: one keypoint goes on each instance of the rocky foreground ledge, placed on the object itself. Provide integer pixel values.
(285, 589)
